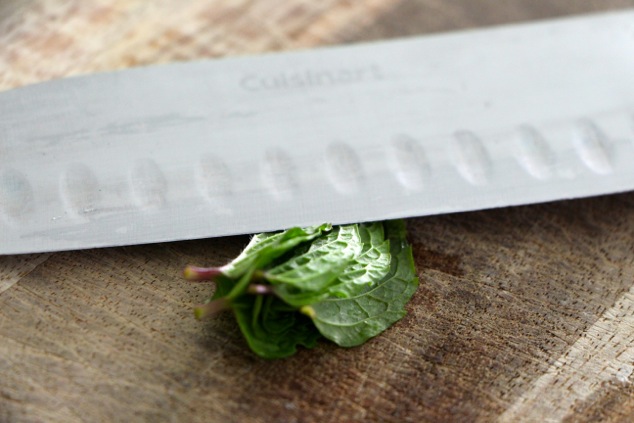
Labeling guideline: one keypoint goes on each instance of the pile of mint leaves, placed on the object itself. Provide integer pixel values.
(345, 283)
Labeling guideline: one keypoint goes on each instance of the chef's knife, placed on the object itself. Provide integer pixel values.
(462, 121)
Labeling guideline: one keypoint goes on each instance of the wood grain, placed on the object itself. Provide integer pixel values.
(523, 314)
(51, 39)
(14, 268)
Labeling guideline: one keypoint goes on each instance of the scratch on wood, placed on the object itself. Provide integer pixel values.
(605, 352)
(14, 268)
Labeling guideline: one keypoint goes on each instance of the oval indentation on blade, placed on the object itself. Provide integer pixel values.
(409, 161)
(536, 156)
(471, 158)
(16, 195)
(593, 147)
(149, 186)
(344, 167)
(214, 178)
(79, 189)
(279, 174)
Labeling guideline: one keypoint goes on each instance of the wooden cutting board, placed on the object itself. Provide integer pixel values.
(523, 314)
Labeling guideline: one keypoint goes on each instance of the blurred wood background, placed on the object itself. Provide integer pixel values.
(523, 314)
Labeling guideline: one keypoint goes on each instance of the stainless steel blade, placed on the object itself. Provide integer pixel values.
(445, 123)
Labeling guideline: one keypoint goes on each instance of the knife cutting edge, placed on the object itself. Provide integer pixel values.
(469, 120)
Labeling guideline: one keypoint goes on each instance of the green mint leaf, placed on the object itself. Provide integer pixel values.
(369, 267)
(266, 247)
(334, 265)
(287, 289)
(322, 263)
(272, 328)
(374, 307)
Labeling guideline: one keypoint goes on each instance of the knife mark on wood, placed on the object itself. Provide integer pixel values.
(603, 353)
(425, 258)
(535, 156)
(279, 175)
(471, 158)
(612, 403)
(14, 268)
(410, 163)
(344, 167)
(593, 147)
(148, 184)
(16, 195)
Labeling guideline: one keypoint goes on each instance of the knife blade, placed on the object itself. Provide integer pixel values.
(462, 121)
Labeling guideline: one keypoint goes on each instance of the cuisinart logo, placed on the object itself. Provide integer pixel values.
(310, 78)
